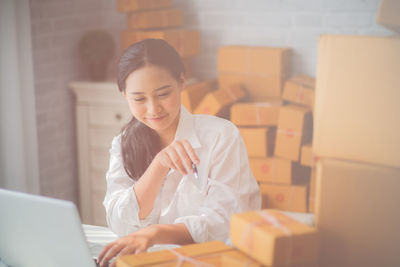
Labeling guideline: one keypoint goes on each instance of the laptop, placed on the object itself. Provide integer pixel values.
(37, 231)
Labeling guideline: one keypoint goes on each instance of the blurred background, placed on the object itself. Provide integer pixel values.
(40, 57)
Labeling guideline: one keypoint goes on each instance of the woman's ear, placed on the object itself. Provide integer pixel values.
(182, 80)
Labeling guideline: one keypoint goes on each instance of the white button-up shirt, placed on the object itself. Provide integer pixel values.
(225, 185)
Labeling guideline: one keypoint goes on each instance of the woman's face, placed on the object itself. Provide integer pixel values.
(154, 98)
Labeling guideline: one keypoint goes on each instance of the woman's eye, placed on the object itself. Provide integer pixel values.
(163, 94)
(139, 99)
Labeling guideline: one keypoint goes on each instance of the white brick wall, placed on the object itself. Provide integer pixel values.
(57, 26)
(287, 23)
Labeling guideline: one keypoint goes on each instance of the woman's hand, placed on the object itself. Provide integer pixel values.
(179, 155)
(134, 243)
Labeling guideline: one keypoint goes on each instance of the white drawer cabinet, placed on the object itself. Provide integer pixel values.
(101, 111)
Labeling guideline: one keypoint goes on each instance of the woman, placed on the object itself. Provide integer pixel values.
(174, 177)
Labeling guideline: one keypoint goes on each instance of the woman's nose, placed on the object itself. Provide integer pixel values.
(153, 107)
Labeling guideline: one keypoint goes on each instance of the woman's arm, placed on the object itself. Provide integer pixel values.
(179, 155)
(141, 240)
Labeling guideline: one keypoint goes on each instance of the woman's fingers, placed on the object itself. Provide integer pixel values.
(184, 156)
(114, 250)
(190, 151)
(179, 156)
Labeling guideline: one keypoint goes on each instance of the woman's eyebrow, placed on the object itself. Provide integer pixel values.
(158, 89)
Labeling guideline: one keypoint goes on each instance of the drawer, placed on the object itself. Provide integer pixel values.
(102, 137)
(98, 212)
(98, 181)
(99, 159)
(116, 115)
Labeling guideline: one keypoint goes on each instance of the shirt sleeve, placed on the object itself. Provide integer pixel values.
(122, 208)
(231, 188)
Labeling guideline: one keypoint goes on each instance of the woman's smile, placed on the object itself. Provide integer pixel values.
(156, 119)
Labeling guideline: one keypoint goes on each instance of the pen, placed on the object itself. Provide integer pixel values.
(196, 174)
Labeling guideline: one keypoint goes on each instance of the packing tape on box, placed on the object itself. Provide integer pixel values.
(182, 258)
(267, 218)
(288, 132)
(232, 96)
(300, 94)
(271, 166)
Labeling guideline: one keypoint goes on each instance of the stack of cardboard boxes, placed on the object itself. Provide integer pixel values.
(158, 19)
(274, 117)
(356, 137)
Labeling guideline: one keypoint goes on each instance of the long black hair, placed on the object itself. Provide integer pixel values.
(139, 143)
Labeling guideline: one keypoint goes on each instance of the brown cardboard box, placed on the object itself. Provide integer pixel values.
(208, 252)
(311, 192)
(193, 94)
(284, 197)
(278, 170)
(161, 18)
(256, 113)
(260, 87)
(186, 42)
(262, 70)
(307, 156)
(294, 130)
(218, 102)
(300, 90)
(357, 99)
(259, 141)
(253, 59)
(136, 5)
(357, 213)
(273, 238)
(388, 14)
(236, 258)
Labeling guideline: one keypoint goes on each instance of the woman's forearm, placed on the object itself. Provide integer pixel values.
(148, 186)
(172, 234)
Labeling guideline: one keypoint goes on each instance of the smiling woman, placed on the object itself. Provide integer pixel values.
(153, 196)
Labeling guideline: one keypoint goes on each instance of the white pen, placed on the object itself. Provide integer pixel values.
(196, 174)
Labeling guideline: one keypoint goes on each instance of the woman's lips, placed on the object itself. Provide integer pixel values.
(157, 118)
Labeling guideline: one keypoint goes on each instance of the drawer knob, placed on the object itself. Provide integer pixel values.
(118, 117)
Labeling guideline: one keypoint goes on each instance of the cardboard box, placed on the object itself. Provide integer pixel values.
(260, 87)
(262, 70)
(218, 102)
(388, 14)
(259, 141)
(284, 197)
(294, 129)
(136, 5)
(236, 258)
(307, 156)
(357, 99)
(208, 252)
(253, 59)
(357, 213)
(256, 113)
(278, 170)
(161, 18)
(186, 42)
(300, 90)
(312, 191)
(273, 238)
(193, 94)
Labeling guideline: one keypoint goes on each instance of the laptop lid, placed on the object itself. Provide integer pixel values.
(41, 231)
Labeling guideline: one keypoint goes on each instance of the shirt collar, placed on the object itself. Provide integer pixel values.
(186, 128)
